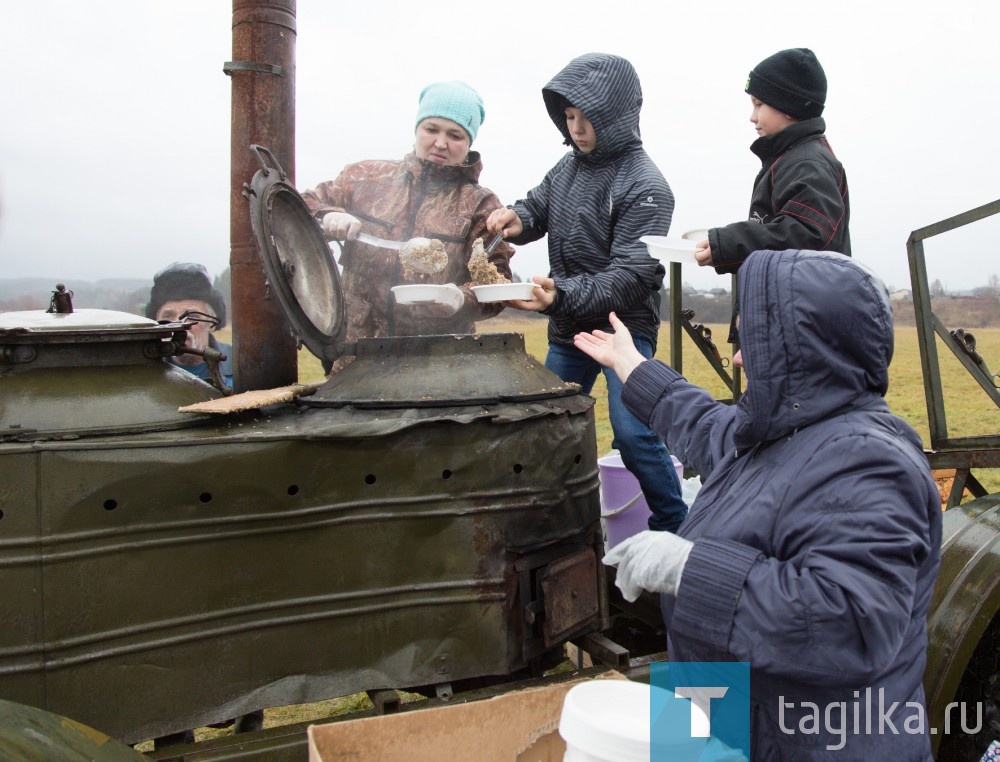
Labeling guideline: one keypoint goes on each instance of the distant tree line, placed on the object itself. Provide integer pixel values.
(954, 311)
(981, 308)
(991, 289)
(36, 294)
(120, 294)
(708, 308)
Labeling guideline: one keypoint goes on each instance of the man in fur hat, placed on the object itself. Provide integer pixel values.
(184, 290)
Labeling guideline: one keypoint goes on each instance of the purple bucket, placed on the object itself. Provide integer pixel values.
(624, 511)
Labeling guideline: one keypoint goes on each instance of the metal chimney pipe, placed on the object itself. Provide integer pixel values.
(263, 112)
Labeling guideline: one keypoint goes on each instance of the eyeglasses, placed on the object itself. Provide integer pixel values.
(193, 316)
(201, 317)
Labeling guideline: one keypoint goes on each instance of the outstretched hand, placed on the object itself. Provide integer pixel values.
(613, 350)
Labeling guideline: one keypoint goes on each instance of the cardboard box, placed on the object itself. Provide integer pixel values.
(520, 726)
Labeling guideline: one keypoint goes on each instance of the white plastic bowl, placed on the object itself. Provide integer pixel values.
(426, 293)
(502, 292)
(698, 234)
(671, 249)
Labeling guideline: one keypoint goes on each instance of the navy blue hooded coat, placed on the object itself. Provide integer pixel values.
(595, 206)
(817, 531)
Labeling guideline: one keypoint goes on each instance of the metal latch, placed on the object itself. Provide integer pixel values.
(967, 343)
(702, 336)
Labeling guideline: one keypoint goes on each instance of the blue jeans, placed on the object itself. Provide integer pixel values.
(642, 451)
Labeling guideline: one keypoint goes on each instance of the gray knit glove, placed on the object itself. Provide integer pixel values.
(652, 561)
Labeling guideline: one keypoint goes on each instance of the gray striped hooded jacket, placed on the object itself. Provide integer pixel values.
(595, 206)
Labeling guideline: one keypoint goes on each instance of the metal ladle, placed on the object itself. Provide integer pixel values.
(405, 249)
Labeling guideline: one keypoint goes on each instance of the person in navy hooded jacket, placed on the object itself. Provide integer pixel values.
(812, 548)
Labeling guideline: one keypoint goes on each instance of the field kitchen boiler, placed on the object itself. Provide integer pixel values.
(428, 519)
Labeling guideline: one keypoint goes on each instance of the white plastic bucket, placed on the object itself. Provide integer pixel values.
(609, 721)
(624, 511)
(606, 721)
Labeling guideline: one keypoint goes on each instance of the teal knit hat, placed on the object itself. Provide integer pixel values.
(455, 101)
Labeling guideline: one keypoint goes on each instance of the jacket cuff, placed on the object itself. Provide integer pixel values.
(645, 386)
(527, 225)
(710, 590)
(553, 309)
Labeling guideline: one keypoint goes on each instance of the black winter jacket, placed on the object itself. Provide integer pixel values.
(595, 206)
(799, 200)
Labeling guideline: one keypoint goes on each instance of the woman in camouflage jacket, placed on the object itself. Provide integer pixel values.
(432, 192)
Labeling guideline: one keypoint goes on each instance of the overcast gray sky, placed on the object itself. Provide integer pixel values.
(114, 135)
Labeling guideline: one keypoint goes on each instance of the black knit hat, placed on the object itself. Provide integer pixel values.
(182, 281)
(792, 81)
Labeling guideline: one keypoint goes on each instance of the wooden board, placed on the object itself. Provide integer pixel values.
(256, 398)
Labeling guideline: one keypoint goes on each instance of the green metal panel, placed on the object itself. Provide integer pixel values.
(104, 399)
(192, 576)
(21, 573)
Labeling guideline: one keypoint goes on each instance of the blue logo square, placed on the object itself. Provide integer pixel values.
(699, 711)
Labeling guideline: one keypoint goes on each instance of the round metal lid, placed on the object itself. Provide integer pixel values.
(300, 269)
(90, 330)
(79, 320)
(92, 372)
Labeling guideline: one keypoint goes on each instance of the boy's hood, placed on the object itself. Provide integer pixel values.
(816, 334)
(606, 89)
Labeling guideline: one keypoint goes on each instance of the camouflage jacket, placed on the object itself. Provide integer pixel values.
(399, 200)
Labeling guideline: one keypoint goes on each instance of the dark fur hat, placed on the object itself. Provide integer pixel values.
(185, 280)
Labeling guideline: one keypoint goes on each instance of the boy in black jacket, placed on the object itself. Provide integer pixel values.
(800, 195)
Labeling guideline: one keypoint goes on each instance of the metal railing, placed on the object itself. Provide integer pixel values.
(960, 453)
(681, 320)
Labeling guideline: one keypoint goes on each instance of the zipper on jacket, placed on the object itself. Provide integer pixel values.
(415, 209)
